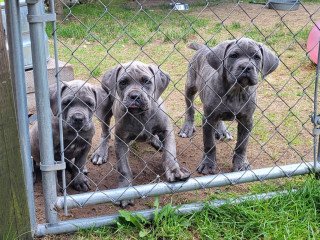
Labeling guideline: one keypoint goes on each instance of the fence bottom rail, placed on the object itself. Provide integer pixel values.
(86, 223)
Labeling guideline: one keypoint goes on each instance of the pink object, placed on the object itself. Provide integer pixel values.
(313, 43)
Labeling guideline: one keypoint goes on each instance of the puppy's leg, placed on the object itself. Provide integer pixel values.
(208, 163)
(222, 133)
(155, 142)
(125, 178)
(170, 163)
(100, 156)
(79, 180)
(240, 161)
(188, 128)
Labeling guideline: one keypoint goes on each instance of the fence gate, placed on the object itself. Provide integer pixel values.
(101, 35)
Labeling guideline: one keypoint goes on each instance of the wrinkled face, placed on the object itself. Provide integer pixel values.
(78, 104)
(135, 88)
(243, 61)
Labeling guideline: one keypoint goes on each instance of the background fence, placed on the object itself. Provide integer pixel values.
(97, 36)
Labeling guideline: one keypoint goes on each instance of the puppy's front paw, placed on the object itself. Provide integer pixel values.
(85, 170)
(81, 183)
(125, 203)
(207, 166)
(156, 143)
(222, 132)
(187, 130)
(177, 174)
(100, 156)
(223, 136)
(240, 164)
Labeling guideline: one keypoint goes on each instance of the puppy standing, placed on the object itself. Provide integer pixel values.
(226, 77)
(135, 89)
(78, 101)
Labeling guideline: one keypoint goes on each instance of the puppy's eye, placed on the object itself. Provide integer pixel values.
(256, 57)
(146, 80)
(123, 82)
(90, 104)
(233, 55)
(66, 102)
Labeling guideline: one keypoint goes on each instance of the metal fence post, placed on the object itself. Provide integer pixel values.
(17, 69)
(316, 120)
(36, 18)
(56, 60)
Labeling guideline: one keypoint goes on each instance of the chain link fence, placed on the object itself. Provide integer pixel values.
(143, 121)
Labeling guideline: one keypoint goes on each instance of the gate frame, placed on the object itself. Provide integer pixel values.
(37, 18)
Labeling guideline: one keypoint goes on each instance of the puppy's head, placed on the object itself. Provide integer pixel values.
(78, 102)
(136, 85)
(241, 61)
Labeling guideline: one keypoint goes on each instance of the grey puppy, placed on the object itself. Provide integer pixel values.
(78, 102)
(226, 78)
(135, 90)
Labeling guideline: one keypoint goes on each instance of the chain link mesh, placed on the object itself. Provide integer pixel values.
(97, 36)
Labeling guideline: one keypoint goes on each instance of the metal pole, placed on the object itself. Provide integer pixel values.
(75, 225)
(17, 70)
(156, 189)
(315, 115)
(36, 21)
(56, 60)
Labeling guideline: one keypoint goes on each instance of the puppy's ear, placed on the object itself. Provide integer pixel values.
(217, 54)
(102, 101)
(95, 94)
(109, 80)
(53, 96)
(269, 60)
(161, 80)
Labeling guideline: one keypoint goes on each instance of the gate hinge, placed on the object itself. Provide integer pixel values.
(32, 1)
(53, 167)
(41, 18)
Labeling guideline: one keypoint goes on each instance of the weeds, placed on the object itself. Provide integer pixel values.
(292, 216)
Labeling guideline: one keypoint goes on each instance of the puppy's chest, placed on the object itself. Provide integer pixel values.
(139, 131)
(237, 102)
(73, 147)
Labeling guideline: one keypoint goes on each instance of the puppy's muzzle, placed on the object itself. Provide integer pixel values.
(78, 120)
(247, 76)
(247, 69)
(135, 100)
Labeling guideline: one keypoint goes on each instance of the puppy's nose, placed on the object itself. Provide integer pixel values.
(247, 69)
(78, 118)
(135, 96)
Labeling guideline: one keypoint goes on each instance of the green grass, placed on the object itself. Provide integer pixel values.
(89, 22)
(152, 35)
(292, 216)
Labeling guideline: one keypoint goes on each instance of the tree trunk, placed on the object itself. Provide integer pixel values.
(14, 214)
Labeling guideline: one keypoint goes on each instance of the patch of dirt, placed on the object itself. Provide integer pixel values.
(272, 148)
(230, 11)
